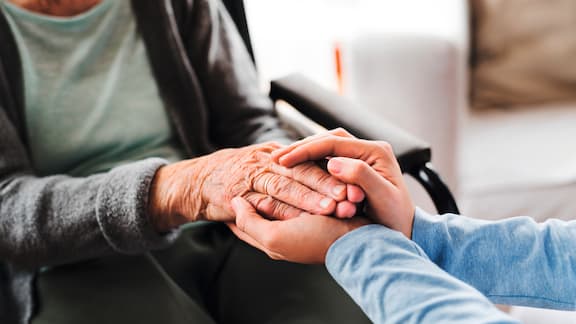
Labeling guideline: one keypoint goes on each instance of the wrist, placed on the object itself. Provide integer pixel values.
(163, 200)
(410, 224)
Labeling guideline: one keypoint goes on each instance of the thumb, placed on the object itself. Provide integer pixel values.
(358, 172)
(243, 211)
(248, 220)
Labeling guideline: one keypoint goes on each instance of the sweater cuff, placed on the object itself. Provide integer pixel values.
(122, 208)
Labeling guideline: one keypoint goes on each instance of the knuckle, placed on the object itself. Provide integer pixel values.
(355, 167)
(288, 189)
(271, 207)
(277, 185)
(281, 210)
(254, 177)
(287, 211)
(313, 173)
(358, 167)
(385, 147)
(302, 170)
(301, 193)
(268, 147)
(340, 132)
(267, 183)
(324, 177)
(263, 203)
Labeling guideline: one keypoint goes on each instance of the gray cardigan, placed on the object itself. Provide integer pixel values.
(210, 90)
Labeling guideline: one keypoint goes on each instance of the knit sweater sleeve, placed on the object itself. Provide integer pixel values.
(59, 219)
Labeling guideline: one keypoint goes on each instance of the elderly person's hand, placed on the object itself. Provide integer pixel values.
(369, 164)
(202, 188)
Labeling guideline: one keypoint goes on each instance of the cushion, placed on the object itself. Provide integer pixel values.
(523, 52)
(519, 162)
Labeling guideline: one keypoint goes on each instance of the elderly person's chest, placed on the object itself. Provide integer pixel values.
(91, 101)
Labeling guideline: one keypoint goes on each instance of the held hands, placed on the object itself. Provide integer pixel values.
(202, 188)
(303, 239)
(370, 165)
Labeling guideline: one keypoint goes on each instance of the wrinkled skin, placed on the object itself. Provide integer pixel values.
(203, 188)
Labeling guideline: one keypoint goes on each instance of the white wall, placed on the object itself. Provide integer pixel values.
(299, 35)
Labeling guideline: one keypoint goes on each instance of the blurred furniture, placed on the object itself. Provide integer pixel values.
(304, 101)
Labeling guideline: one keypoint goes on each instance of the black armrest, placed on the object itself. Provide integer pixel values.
(331, 111)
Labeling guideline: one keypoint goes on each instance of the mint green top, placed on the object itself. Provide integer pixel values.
(91, 100)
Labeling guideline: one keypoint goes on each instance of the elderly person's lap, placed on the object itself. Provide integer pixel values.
(208, 276)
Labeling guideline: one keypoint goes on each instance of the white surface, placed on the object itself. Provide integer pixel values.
(300, 35)
(520, 162)
(514, 148)
(542, 316)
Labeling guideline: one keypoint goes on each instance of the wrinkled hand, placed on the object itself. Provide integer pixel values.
(304, 239)
(368, 164)
(202, 188)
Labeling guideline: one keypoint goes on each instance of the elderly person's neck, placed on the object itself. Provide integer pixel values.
(62, 8)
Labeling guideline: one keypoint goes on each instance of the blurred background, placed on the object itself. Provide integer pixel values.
(490, 84)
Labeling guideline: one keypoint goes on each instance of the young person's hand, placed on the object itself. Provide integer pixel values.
(303, 239)
(369, 164)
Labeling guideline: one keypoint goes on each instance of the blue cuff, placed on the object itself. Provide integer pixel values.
(429, 232)
(348, 244)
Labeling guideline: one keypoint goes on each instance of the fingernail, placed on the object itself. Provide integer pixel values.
(304, 214)
(324, 203)
(334, 166)
(338, 190)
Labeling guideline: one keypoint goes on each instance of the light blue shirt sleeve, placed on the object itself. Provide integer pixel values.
(515, 261)
(393, 281)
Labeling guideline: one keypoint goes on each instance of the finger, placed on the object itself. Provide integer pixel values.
(354, 194)
(272, 208)
(312, 176)
(257, 231)
(284, 150)
(329, 146)
(341, 132)
(345, 209)
(247, 218)
(359, 173)
(294, 193)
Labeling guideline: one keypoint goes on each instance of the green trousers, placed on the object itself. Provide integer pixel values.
(208, 276)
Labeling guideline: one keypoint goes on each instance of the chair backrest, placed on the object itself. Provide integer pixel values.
(238, 13)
